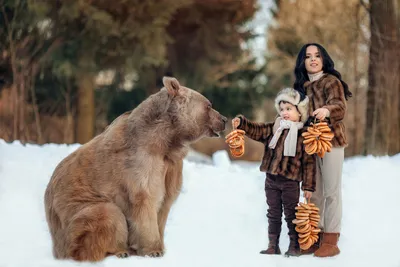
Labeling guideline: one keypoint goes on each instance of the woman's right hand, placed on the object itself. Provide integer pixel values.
(321, 113)
(235, 122)
(307, 194)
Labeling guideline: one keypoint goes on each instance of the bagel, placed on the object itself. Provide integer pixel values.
(304, 234)
(324, 129)
(314, 131)
(319, 145)
(303, 240)
(315, 231)
(308, 141)
(305, 222)
(305, 206)
(303, 229)
(298, 221)
(313, 238)
(321, 124)
(302, 214)
(307, 245)
(307, 218)
(306, 135)
(235, 141)
(327, 135)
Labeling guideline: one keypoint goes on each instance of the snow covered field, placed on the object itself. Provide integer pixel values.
(218, 220)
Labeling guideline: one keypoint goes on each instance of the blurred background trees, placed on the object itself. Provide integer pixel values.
(68, 68)
(342, 27)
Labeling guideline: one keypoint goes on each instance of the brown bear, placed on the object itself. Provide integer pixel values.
(113, 194)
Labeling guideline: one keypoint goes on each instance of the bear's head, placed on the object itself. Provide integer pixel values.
(191, 112)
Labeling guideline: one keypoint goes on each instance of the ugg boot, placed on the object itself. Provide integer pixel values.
(294, 248)
(314, 247)
(273, 246)
(329, 246)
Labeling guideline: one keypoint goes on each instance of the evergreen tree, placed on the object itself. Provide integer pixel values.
(124, 35)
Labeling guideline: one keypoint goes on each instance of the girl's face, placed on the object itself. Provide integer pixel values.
(289, 112)
(313, 60)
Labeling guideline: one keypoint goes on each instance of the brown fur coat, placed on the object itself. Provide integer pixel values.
(327, 92)
(302, 167)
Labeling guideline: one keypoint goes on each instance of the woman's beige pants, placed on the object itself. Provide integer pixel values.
(328, 193)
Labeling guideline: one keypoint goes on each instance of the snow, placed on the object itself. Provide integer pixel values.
(218, 220)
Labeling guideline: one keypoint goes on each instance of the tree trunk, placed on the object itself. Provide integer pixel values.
(22, 129)
(36, 112)
(356, 92)
(382, 129)
(14, 97)
(85, 109)
(69, 129)
(397, 8)
(151, 79)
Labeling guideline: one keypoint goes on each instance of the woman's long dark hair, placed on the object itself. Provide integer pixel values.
(300, 71)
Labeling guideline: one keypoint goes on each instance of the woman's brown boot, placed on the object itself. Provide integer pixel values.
(273, 246)
(329, 246)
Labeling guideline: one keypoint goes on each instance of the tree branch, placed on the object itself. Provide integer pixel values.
(35, 63)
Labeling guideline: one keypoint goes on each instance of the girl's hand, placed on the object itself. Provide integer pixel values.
(235, 123)
(307, 194)
(321, 113)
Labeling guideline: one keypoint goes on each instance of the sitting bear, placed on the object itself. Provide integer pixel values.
(113, 194)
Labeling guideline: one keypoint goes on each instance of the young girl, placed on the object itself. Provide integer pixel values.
(285, 163)
(317, 78)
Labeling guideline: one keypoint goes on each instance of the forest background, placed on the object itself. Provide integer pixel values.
(68, 68)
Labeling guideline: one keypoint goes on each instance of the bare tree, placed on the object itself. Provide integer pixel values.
(26, 47)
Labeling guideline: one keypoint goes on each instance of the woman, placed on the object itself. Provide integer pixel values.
(317, 78)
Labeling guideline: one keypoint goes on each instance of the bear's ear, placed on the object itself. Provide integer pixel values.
(172, 85)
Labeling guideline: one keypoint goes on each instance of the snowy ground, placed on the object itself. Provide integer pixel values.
(218, 220)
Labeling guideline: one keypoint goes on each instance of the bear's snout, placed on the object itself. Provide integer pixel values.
(217, 123)
(224, 119)
(221, 123)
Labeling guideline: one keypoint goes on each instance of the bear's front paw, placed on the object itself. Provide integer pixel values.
(122, 254)
(152, 252)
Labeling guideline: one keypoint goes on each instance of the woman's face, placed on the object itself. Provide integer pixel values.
(313, 60)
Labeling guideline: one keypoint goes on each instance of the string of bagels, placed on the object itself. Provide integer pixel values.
(235, 141)
(307, 219)
(317, 139)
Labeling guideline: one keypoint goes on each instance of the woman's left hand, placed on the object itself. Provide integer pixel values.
(321, 113)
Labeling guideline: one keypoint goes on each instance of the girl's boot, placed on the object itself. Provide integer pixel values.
(273, 246)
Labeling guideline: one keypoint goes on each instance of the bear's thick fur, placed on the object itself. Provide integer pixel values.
(113, 194)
